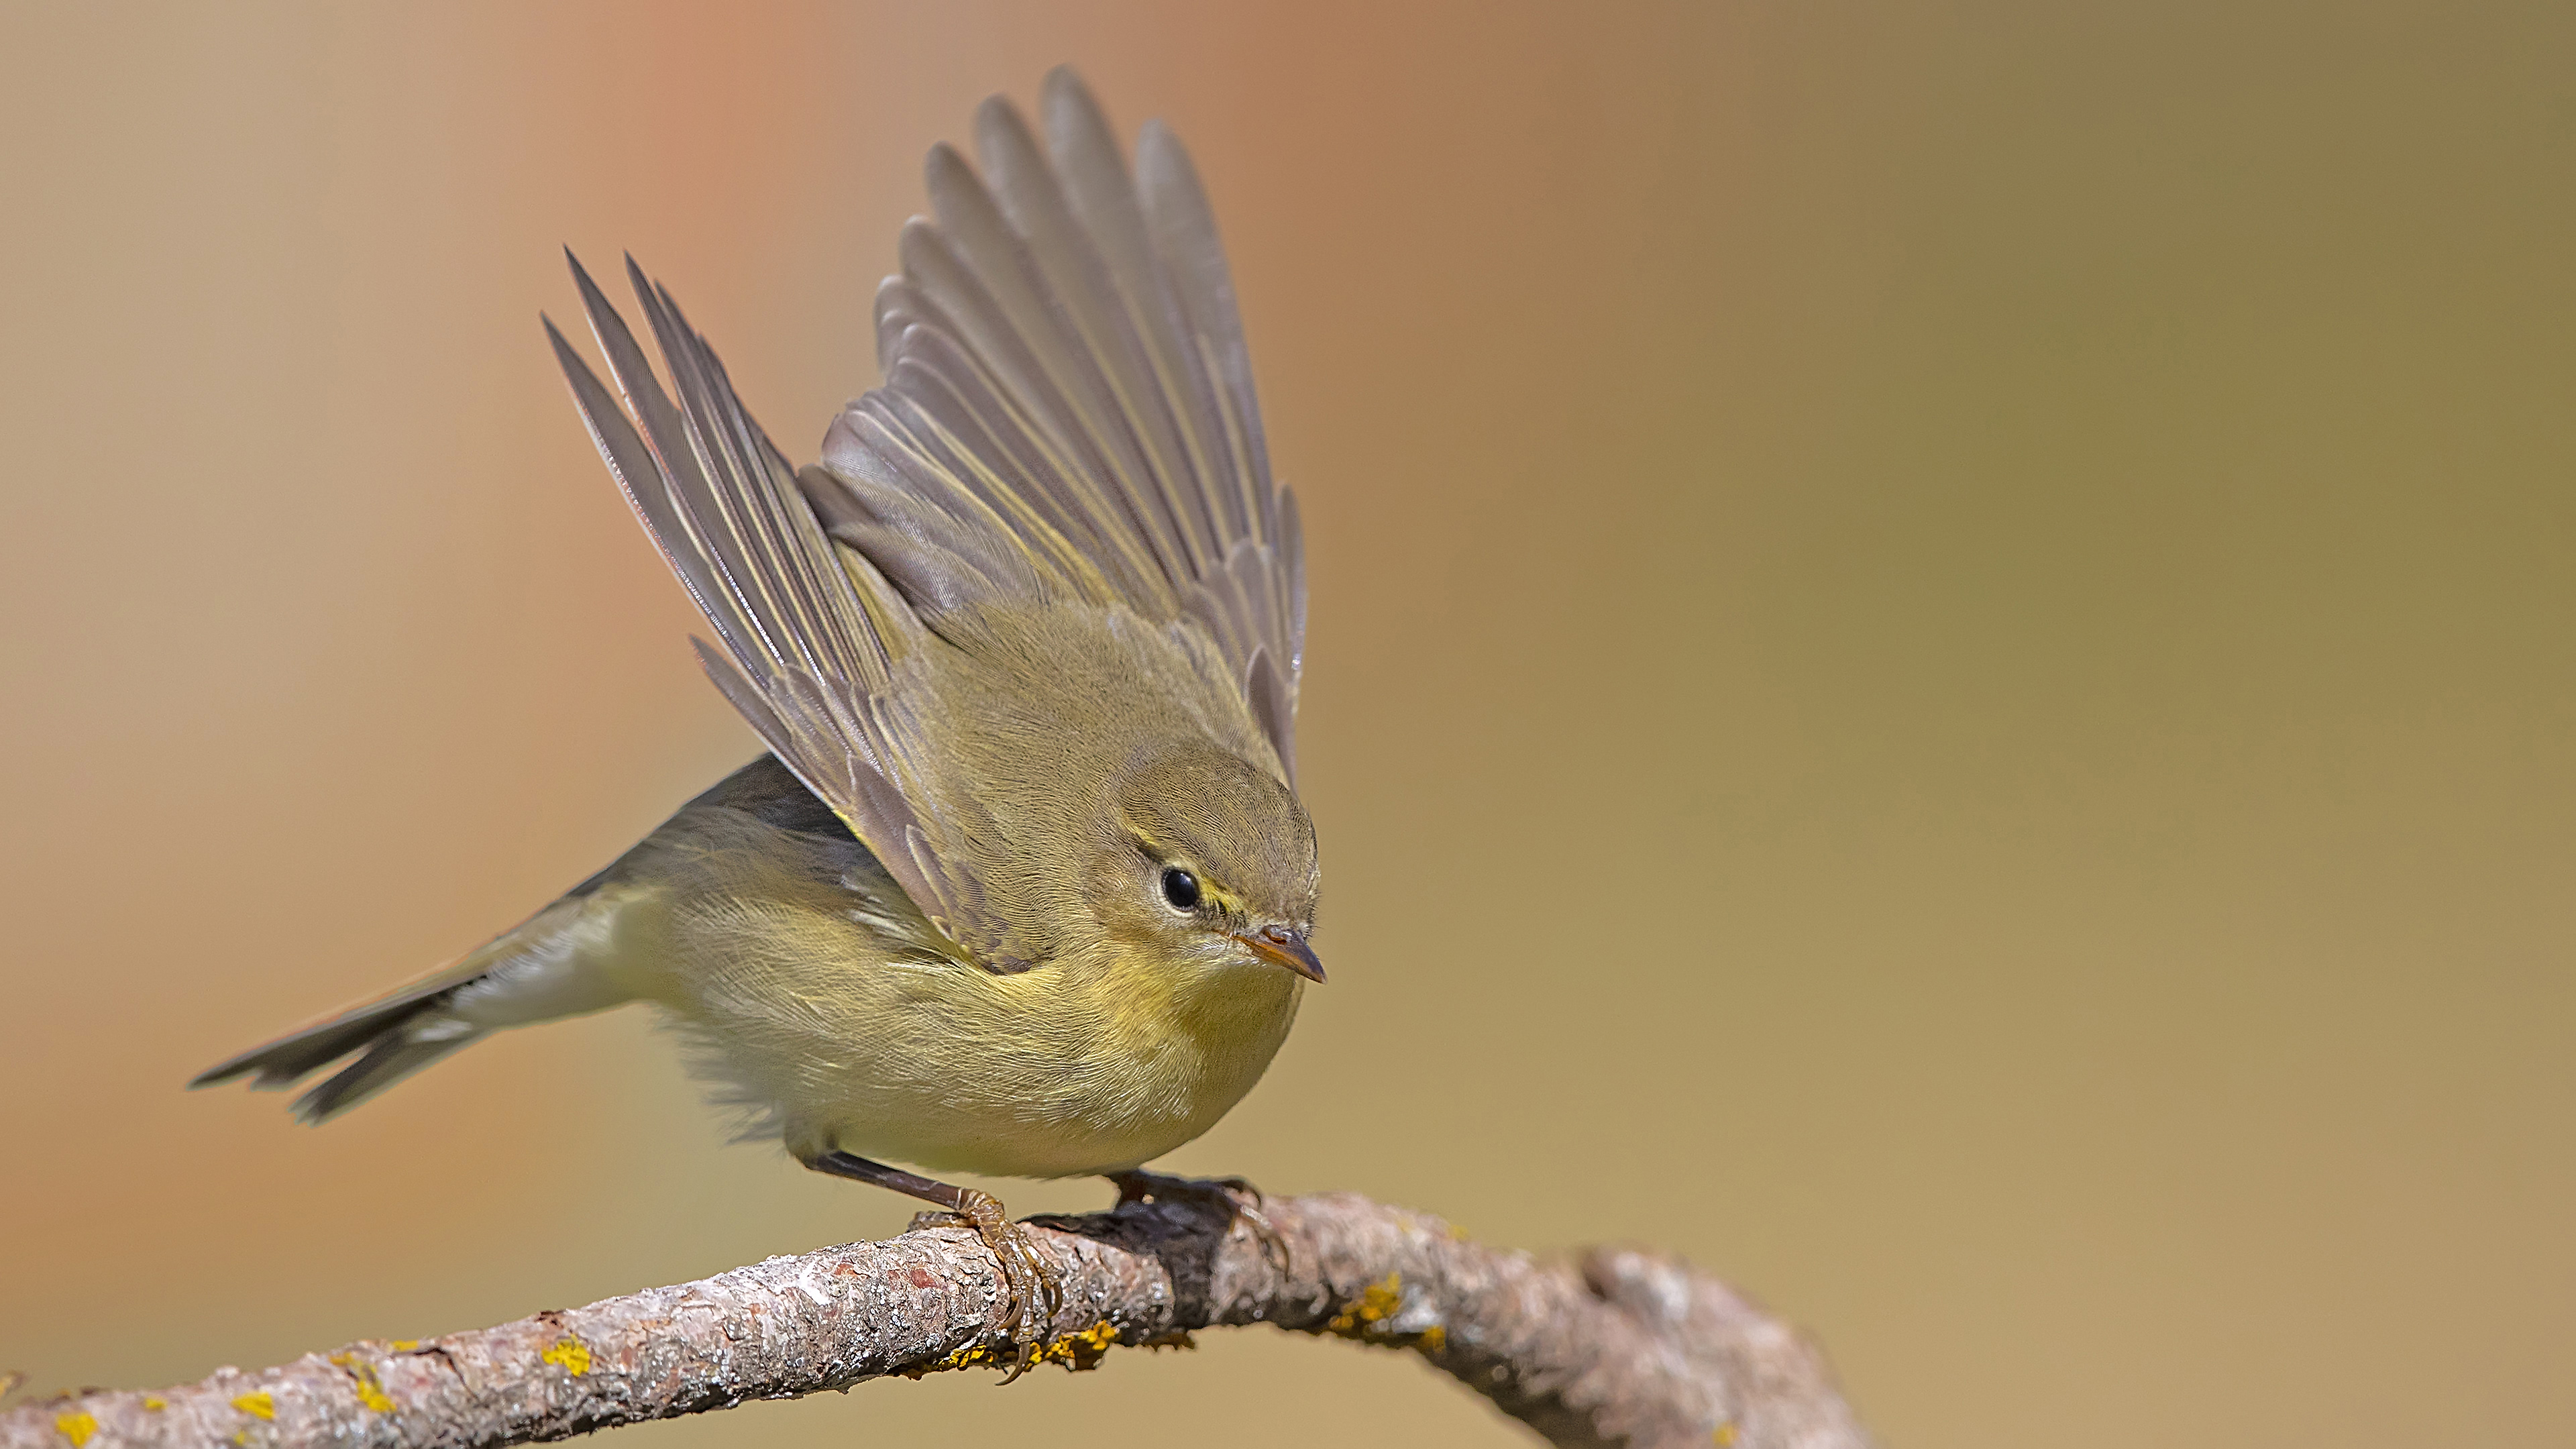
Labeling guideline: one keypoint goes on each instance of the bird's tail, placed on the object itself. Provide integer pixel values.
(546, 968)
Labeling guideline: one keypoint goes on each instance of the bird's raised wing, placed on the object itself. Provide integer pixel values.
(1068, 408)
(814, 644)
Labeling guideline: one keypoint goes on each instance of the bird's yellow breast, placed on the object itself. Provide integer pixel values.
(1083, 1065)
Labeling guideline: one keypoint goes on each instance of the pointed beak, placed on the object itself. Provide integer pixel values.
(1283, 947)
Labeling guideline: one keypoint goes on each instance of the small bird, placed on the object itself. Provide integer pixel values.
(1022, 886)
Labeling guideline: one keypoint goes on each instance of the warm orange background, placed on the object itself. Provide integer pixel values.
(1941, 671)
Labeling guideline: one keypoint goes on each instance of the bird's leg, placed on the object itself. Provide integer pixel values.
(1027, 1275)
(1237, 1199)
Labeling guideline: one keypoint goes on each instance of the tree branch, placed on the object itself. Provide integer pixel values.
(1623, 1347)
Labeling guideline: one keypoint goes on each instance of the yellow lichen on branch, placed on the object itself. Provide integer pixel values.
(1075, 1352)
(371, 1390)
(1371, 1318)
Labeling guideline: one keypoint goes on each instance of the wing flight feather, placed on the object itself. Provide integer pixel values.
(812, 640)
(1063, 349)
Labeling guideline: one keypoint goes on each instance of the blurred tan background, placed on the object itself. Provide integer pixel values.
(1941, 671)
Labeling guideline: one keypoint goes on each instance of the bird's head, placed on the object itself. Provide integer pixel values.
(1211, 861)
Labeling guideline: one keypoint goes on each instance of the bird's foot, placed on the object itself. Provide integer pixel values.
(1029, 1277)
(1238, 1199)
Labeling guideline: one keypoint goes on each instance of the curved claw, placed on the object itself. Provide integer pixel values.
(1034, 1290)
(1238, 1198)
(1274, 1246)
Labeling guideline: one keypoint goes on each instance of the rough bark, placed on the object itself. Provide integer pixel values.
(1622, 1347)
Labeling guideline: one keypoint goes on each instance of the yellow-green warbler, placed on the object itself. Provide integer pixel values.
(1023, 886)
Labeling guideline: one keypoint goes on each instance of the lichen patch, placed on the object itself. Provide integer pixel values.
(370, 1389)
(569, 1354)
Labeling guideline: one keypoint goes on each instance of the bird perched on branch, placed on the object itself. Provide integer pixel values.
(1023, 886)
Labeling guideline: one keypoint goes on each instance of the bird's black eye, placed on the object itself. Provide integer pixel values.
(1180, 888)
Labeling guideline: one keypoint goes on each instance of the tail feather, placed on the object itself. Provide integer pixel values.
(300, 1053)
(389, 1060)
(534, 973)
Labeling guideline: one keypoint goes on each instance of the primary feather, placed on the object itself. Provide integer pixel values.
(1066, 374)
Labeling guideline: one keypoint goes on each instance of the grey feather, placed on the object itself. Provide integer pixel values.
(1065, 370)
(803, 627)
(388, 1060)
(300, 1053)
